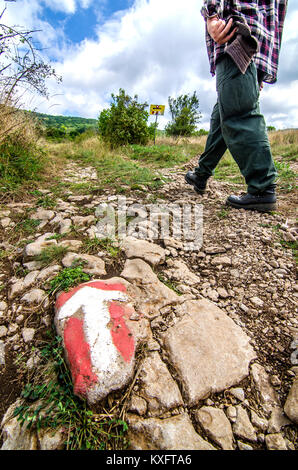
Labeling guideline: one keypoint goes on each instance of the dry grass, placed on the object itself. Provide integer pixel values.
(286, 137)
(164, 140)
(16, 125)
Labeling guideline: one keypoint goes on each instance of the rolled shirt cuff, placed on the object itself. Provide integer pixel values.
(210, 10)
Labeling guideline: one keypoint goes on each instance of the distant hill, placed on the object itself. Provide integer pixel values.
(69, 123)
(64, 127)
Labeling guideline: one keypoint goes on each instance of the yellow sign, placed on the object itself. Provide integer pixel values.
(156, 109)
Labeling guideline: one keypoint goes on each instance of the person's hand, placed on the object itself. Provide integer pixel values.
(219, 30)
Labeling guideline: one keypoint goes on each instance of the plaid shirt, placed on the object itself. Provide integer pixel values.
(266, 20)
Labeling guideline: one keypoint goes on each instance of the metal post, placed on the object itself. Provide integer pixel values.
(155, 126)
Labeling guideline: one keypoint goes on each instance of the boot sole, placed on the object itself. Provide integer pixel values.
(199, 191)
(269, 207)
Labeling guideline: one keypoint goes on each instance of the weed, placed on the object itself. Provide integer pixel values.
(27, 226)
(292, 245)
(49, 403)
(286, 176)
(91, 246)
(69, 277)
(223, 213)
(46, 202)
(51, 253)
(56, 236)
(170, 284)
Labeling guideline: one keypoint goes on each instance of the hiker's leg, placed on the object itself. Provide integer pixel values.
(243, 126)
(214, 149)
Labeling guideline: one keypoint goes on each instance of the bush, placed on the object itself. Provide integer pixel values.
(185, 115)
(125, 122)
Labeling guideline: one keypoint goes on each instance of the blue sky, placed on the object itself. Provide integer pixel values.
(152, 48)
(83, 22)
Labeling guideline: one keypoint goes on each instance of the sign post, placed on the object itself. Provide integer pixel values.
(156, 110)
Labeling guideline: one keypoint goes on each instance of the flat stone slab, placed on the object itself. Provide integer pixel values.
(100, 345)
(152, 293)
(208, 350)
(150, 252)
(176, 433)
(291, 406)
(157, 386)
(92, 264)
(216, 425)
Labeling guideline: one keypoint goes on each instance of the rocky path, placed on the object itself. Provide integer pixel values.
(218, 325)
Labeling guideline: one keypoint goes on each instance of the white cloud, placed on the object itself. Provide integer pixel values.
(154, 49)
(67, 6)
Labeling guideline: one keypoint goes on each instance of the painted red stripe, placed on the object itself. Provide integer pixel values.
(121, 335)
(78, 352)
(65, 296)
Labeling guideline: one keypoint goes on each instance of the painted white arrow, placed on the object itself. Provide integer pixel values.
(96, 337)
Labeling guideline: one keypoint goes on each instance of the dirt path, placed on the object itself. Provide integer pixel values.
(257, 288)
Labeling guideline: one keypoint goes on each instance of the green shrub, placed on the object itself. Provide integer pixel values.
(125, 122)
(185, 115)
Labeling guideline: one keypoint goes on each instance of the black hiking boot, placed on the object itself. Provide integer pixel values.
(264, 201)
(198, 182)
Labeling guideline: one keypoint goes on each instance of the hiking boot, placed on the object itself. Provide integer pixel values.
(198, 182)
(264, 201)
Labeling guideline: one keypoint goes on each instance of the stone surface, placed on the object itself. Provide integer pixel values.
(153, 294)
(267, 395)
(291, 405)
(208, 350)
(277, 421)
(99, 339)
(2, 353)
(35, 296)
(48, 273)
(73, 245)
(176, 433)
(258, 422)
(157, 386)
(244, 446)
(138, 405)
(81, 221)
(3, 331)
(242, 427)
(275, 442)
(231, 413)
(28, 334)
(93, 265)
(42, 214)
(149, 252)
(179, 271)
(238, 393)
(51, 439)
(35, 248)
(216, 425)
(15, 436)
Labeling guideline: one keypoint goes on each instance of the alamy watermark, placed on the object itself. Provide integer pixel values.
(119, 219)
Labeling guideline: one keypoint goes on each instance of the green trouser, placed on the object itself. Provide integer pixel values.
(237, 124)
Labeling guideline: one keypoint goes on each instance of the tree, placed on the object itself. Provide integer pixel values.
(21, 65)
(22, 69)
(125, 122)
(185, 115)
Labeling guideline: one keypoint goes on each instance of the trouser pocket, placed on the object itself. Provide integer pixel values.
(238, 93)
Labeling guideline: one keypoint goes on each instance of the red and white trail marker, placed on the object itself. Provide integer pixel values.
(100, 348)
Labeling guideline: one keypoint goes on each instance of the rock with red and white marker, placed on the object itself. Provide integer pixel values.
(99, 338)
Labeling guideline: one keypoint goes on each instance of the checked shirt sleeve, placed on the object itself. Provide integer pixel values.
(212, 7)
